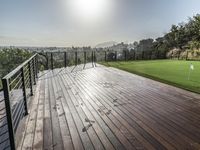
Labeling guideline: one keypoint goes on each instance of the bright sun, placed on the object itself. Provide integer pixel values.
(89, 10)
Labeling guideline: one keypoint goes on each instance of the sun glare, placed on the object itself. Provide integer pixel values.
(89, 10)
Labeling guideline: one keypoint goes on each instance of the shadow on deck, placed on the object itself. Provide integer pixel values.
(105, 108)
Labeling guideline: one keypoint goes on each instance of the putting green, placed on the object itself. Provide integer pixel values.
(174, 72)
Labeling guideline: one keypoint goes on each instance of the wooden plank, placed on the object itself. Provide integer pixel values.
(77, 143)
(47, 133)
(38, 136)
(78, 123)
(56, 132)
(67, 141)
(30, 128)
(133, 131)
(112, 127)
(91, 128)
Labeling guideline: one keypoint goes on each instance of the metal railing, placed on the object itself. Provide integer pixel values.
(64, 59)
(17, 88)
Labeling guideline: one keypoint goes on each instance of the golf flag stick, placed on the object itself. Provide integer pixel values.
(191, 68)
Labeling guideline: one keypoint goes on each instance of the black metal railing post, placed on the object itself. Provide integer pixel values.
(30, 78)
(76, 58)
(172, 55)
(105, 56)
(142, 55)
(8, 113)
(37, 66)
(24, 91)
(92, 59)
(51, 60)
(125, 55)
(34, 71)
(186, 56)
(85, 58)
(115, 55)
(95, 58)
(65, 59)
(47, 65)
(158, 54)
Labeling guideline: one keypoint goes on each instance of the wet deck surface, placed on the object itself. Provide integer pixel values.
(105, 108)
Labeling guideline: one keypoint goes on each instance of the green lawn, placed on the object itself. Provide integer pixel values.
(172, 72)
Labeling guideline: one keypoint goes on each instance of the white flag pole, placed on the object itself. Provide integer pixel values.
(190, 68)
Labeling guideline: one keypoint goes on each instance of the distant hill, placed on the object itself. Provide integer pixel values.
(106, 44)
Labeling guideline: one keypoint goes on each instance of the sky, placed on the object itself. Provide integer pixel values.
(89, 22)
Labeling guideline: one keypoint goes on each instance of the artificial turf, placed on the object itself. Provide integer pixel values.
(173, 72)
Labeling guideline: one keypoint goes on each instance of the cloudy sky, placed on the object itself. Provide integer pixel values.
(88, 22)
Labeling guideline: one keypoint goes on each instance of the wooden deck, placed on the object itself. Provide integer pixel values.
(105, 108)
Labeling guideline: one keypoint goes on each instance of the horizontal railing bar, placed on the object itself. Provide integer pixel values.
(4, 141)
(2, 109)
(25, 66)
(3, 125)
(1, 114)
(26, 75)
(6, 147)
(27, 81)
(18, 86)
(19, 75)
(4, 133)
(2, 118)
(18, 68)
(16, 109)
(26, 72)
(20, 116)
(27, 84)
(18, 82)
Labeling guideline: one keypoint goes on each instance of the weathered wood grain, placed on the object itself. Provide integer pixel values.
(106, 108)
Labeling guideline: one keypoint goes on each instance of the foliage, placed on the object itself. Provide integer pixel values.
(10, 58)
(182, 36)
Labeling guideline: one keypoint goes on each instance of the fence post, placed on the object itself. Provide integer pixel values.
(150, 56)
(172, 55)
(125, 55)
(115, 55)
(92, 59)
(142, 55)
(105, 56)
(76, 63)
(36, 66)
(158, 55)
(47, 65)
(8, 113)
(51, 60)
(30, 77)
(95, 58)
(85, 57)
(24, 91)
(34, 71)
(179, 53)
(186, 56)
(65, 59)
